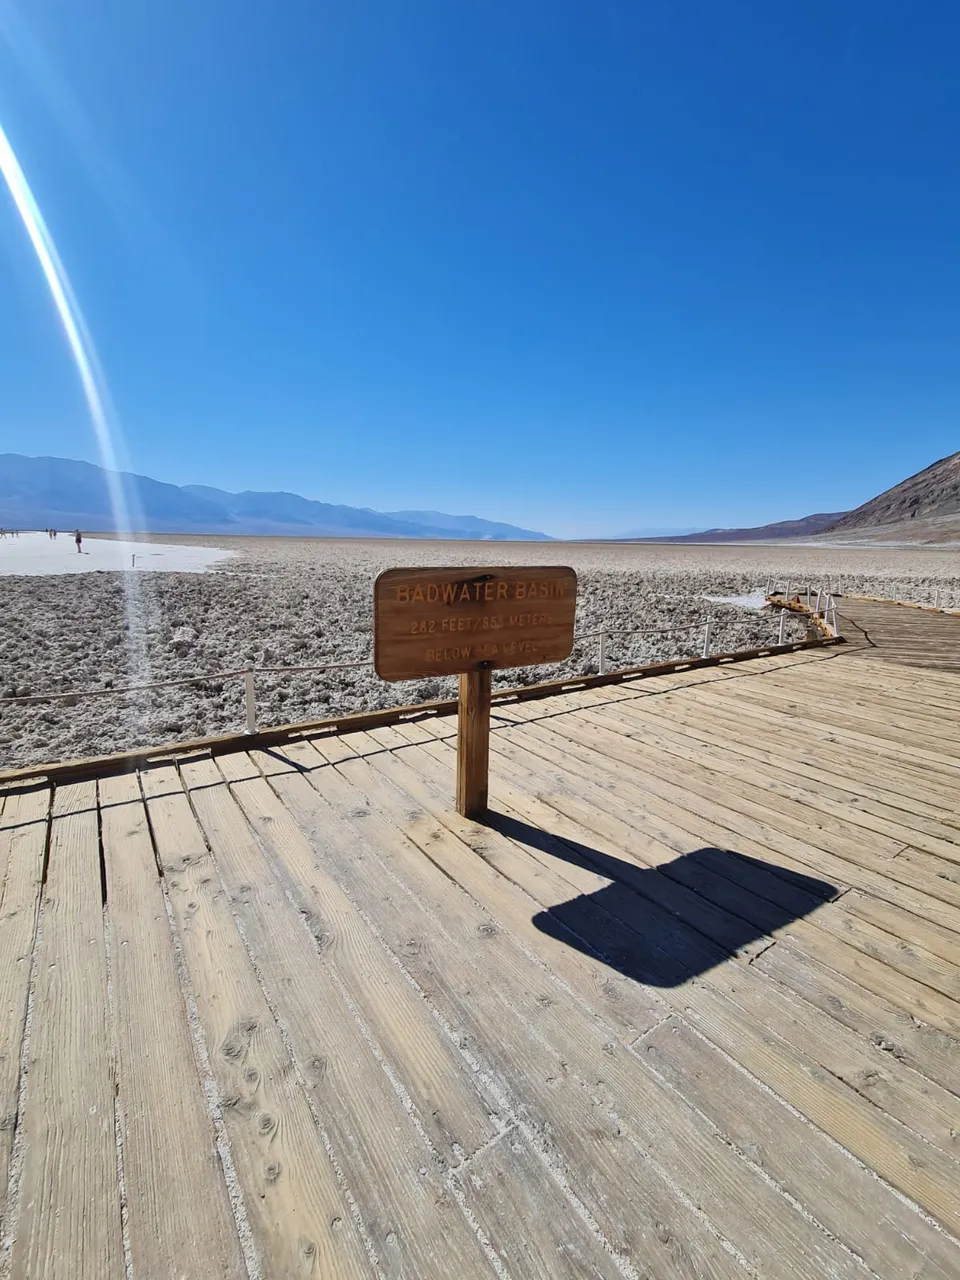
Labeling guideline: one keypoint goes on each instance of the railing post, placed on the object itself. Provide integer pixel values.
(936, 599)
(707, 631)
(250, 699)
(819, 594)
(603, 651)
(808, 595)
(782, 637)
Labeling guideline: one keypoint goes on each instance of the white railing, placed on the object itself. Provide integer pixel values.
(605, 632)
(799, 587)
(932, 597)
(817, 607)
(249, 673)
(249, 686)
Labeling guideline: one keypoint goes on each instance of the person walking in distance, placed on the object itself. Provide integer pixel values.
(78, 538)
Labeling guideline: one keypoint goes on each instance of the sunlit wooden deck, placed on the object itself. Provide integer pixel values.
(901, 633)
(689, 1005)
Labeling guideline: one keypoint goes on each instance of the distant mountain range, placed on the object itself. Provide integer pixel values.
(923, 508)
(639, 535)
(37, 493)
(805, 527)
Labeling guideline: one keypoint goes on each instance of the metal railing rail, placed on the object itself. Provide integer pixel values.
(939, 594)
(249, 673)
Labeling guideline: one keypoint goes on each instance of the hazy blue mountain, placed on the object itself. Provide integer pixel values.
(42, 492)
(471, 526)
(652, 533)
(37, 493)
(252, 508)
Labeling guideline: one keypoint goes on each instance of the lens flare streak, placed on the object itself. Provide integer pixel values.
(85, 358)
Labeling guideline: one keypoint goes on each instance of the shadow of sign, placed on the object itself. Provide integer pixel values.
(664, 925)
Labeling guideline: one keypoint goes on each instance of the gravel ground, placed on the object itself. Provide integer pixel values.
(285, 602)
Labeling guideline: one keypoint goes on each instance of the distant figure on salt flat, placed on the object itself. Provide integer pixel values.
(78, 538)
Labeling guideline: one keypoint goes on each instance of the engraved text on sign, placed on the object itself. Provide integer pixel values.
(432, 622)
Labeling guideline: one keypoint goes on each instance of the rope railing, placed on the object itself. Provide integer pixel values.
(249, 672)
(322, 666)
(171, 684)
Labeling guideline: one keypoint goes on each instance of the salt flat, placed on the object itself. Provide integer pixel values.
(276, 602)
(37, 555)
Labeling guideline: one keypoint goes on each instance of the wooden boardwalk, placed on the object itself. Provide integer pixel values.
(687, 1006)
(901, 633)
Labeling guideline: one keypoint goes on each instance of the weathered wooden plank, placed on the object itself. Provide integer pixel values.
(622, 1004)
(721, 817)
(23, 842)
(409, 1213)
(436, 1079)
(819, 799)
(919, 1107)
(902, 973)
(881, 1143)
(69, 1196)
(678, 810)
(299, 1213)
(865, 715)
(652, 1120)
(753, 792)
(858, 730)
(178, 1212)
(892, 1238)
(440, 938)
(899, 633)
(878, 1021)
(539, 1233)
(891, 939)
(808, 764)
(739, 717)
(927, 711)
(808, 691)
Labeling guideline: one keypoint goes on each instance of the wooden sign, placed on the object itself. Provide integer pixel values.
(440, 622)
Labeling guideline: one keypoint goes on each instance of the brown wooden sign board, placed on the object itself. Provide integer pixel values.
(440, 622)
(468, 622)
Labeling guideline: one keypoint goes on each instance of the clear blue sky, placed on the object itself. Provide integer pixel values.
(583, 266)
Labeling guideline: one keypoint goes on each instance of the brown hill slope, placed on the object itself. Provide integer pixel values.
(805, 527)
(933, 492)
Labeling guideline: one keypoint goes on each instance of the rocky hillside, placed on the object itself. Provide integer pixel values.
(805, 527)
(931, 493)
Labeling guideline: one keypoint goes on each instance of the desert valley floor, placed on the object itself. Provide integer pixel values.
(278, 602)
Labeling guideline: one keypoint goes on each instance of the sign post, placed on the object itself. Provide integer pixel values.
(470, 622)
(473, 743)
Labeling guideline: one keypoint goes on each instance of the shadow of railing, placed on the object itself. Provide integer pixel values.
(664, 925)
